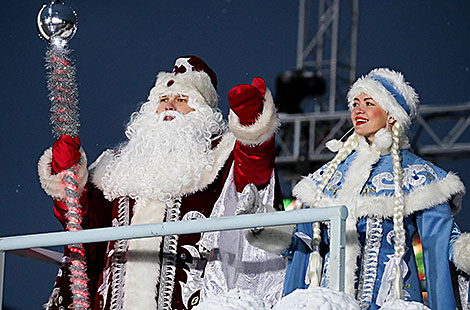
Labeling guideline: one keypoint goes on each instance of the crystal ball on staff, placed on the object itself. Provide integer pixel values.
(56, 20)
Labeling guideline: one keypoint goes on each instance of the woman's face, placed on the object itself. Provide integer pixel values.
(367, 116)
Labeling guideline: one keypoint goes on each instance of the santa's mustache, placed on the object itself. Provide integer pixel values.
(166, 116)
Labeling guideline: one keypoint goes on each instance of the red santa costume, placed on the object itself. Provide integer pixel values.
(173, 167)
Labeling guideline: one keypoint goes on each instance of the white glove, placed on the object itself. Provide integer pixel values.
(272, 239)
(250, 201)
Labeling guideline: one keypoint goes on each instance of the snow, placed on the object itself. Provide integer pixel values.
(317, 298)
(401, 304)
(309, 299)
(235, 299)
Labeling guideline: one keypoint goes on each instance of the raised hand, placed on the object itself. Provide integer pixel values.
(65, 153)
(246, 101)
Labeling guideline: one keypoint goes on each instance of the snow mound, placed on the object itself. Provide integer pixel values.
(235, 299)
(402, 304)
(317, 298)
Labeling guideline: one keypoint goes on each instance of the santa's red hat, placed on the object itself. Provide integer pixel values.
(192, 77)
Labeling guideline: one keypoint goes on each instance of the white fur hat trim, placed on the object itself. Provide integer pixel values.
(370, 86)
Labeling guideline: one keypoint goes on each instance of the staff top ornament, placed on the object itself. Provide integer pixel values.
(57, 22)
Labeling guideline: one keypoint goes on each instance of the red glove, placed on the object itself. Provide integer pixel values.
(247, 100)
(65, 153)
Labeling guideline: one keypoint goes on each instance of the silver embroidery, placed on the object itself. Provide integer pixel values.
(463, 291)
(193, 215)
(193, 276)
(416, 175)
(379, 184)
(390, 236)
(334, 180)
(170, 243)
(370, 261)
(118, 260)
(234, 263)
(52, 299)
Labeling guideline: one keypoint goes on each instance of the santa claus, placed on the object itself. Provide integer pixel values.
(181, 162)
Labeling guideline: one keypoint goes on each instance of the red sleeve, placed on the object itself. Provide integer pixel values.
(253, 164)
(96, 210)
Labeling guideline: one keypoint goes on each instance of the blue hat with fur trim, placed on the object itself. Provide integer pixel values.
(389, 89)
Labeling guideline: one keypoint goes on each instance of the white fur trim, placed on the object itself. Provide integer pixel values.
(53, 184)
(305, 191)
(262, 130)
(98, 167)
(461, 251)
(383, 97)
(422, 198)
(271, 239)
(195, 84)
(366, 157)
(221, 153)
(143, 259)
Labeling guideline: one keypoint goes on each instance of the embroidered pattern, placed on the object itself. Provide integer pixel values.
(318, 175)
(193, 215)
(370, 261)
(382, 181)
(193, 275)
(416, 175)
(335, 181)
(118, 259)
(463, 282)
(170, 243)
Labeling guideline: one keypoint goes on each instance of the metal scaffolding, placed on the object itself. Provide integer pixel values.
(327, 47)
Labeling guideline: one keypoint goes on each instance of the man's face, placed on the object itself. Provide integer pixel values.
(177, 103)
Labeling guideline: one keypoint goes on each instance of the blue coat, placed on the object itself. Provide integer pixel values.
(364, 183)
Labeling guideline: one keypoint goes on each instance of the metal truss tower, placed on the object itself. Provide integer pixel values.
(328, 46)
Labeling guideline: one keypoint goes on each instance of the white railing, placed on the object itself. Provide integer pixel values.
(335, 215)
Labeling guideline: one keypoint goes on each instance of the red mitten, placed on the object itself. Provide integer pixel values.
(65, 153)
(246, 101)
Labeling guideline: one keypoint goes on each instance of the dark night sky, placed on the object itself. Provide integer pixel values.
(120, 47)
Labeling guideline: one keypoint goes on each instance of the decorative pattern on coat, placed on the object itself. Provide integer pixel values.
(233, 262)
(194, 269)
(370, 259)
(104, 287)
(383, 181)
(417, 175)
(335, 183)
(318, 175)
(194, 275)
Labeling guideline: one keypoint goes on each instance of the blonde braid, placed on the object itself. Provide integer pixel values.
(344, 152)
(399, 205)
(315, 261)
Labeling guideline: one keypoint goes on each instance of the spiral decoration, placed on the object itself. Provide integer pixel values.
(57, 24)
(63, 91)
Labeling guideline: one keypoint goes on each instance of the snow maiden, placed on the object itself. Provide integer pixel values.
(391, 194)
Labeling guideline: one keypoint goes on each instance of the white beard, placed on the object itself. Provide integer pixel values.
(163, 159)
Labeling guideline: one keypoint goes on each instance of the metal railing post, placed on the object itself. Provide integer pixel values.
(2, 275)
(337, 250)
